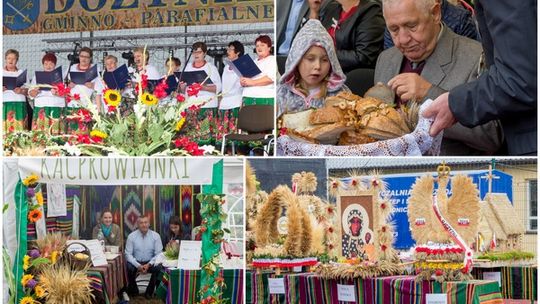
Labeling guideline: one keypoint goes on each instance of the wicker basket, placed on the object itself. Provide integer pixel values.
(416, 143)
(73, 257)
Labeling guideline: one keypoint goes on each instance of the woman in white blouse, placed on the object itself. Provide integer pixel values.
(209, 90)
(260, 89)
(92, 88)
(48, 106)
(231, 89)
(15, 113)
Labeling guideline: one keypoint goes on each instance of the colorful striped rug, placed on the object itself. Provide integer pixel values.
(307, 288)
(182, 286)
(517, 282)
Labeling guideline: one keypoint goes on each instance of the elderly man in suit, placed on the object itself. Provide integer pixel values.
(427, 60)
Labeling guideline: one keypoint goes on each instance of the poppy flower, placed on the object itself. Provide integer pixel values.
(194, 89)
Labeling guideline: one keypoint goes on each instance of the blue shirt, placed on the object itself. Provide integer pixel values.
(294, 13)
(142, 248)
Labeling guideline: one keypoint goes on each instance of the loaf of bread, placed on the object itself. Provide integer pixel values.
(354, 137)
(325, 115)
(298, 121)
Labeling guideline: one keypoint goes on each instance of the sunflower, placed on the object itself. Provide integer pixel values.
(98, 133)
(26, 278)
(39, 198)
(30, 180)
(40, 291)
(34, 215)
(26, 262)
(112, 98)
(149, 99)
(27, 300)
(180, 123)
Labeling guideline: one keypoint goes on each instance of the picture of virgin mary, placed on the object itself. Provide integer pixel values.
(356, 232)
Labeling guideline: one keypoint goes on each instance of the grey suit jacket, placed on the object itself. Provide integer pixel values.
(454, 61)
(283, 8)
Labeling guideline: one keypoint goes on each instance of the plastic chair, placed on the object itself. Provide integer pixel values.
(255, 123)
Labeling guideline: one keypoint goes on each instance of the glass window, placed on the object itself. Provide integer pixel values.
(532, 216)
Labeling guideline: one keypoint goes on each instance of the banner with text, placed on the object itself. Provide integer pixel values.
(52, 16)
(119, 171)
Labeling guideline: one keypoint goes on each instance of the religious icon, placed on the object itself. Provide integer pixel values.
(357, 224)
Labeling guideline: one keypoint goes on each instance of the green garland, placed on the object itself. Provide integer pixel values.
(507, 256)
(212, 237)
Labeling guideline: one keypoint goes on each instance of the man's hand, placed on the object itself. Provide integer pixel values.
(444, 118)
(89, 85)
(314, 8)
(140, 269)
(18, 90)
(72, 84)
(144, 268)
(410, 86)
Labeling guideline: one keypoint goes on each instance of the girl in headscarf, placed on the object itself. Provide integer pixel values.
(312, 71)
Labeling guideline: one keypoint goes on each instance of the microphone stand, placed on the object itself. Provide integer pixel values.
(67, 80)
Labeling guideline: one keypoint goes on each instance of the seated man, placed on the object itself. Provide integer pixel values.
(454, 16)
(142, 247)
(429, 59)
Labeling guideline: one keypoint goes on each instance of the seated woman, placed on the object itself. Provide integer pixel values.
(175, 230)
(357, 28)
(312, 71)
(111, 232)
(48, 106)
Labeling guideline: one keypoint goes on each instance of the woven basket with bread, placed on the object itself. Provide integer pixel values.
(352, 125)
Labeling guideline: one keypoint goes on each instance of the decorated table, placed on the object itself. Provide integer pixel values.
(517, 282)
(311, 288)
(108, 280)
(182, 286)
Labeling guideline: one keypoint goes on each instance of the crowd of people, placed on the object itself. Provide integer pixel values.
(484, 92)
(35, 106)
